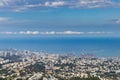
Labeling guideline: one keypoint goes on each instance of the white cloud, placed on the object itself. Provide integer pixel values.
(46, 33)
(96, 3)
(3, 19)
(70, 32)
(117, 21)
(5, 3)
(99, 32)
(29, 32)
(31, 5)
(54, 4)
(26, 6)
(19, 5)
(54, 33)
(1, 4)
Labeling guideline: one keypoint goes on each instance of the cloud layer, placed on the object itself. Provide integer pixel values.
(4, 19)
(19, 5)
(54, 33)
(117, 21)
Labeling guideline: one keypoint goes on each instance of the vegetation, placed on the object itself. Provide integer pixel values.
(37, 67)
(78, 78)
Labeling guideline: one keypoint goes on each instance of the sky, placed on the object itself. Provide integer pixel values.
(89, 18)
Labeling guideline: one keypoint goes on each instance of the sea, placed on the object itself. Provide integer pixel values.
(105, 47)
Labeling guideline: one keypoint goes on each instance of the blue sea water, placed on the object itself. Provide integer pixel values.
(65, 45)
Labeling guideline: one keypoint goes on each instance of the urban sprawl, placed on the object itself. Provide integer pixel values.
(28, 65)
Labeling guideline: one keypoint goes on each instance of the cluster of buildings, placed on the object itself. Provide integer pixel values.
(27, 65)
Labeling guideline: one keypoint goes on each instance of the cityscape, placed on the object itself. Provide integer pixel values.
(27, 65)
(59, 39)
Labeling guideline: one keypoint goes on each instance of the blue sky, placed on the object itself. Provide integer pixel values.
(60, 17)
